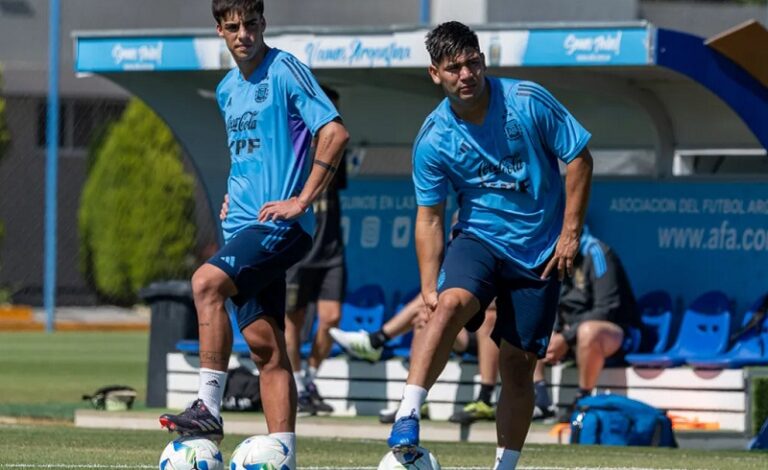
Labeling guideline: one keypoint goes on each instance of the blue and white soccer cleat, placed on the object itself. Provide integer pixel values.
(405, 434)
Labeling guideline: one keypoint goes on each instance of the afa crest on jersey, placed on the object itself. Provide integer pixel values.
(262, 92)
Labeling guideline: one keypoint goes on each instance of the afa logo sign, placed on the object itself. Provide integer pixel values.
(512, 129)
(262, 92)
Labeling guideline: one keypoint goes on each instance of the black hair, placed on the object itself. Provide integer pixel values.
(449, 40)
(222, 8)
(332, 94)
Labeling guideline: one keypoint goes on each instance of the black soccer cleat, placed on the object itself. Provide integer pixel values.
(195, 421)
(317, 401)
(305, 406)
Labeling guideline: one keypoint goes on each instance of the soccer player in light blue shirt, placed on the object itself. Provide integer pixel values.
(496, 143)
(272, 107)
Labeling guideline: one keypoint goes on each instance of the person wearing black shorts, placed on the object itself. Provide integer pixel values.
(321, 279)
(598, 319)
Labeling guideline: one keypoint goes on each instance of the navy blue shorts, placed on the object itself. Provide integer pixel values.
(256, 260)
(526, 305)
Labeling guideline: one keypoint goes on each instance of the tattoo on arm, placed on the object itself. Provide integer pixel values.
(325, 166)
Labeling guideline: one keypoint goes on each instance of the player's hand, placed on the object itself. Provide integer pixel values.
(430, 300)
(556, 349)
(565, 252)
(224, 208)
(421, 318)
(282, 210)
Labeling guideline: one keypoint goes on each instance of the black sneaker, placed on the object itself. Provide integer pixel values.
(317, 401)
(195, 421)
(305, 404)
(544, 415)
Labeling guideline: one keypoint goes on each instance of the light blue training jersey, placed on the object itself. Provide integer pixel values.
(270, 117)
(505, 171)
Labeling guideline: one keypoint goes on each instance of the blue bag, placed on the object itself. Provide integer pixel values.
(615, 420)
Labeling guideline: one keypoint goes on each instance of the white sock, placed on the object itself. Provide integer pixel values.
(211, 389)
(506, 459)
(310, 374)
(413, 397)
(289, 439)
(298, 377)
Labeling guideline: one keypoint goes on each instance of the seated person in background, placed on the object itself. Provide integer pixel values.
(369, 346)
(596, 313)
(413, 316)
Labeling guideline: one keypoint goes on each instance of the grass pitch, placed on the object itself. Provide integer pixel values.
(64, 446)
(44, 375)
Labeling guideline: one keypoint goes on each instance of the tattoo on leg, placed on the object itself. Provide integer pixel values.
(214, 357)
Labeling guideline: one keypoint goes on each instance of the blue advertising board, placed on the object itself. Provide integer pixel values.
(687, 237)
(385, 49)
(627, 46)
(378, 217)
(683, 237)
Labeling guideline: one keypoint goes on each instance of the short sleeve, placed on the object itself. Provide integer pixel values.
(306, 96)
(429, 179)
(222, 96)
(559, 131)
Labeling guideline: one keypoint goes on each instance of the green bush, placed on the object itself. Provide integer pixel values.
(136, 215)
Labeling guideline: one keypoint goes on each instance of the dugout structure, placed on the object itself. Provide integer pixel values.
(669, 113)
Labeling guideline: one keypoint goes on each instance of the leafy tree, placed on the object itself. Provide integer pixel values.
(136, 215)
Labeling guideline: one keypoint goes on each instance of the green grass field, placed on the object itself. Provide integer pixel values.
(43, 376)
(60, 446)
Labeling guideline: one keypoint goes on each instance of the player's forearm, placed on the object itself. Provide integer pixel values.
(429, 249)
(331, 141)
(578, 181)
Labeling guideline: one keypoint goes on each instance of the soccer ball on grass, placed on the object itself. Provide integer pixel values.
(263, 453)
(419, 459)
(191, 453)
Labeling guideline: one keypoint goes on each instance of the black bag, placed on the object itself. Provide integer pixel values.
(112, 398)
(241, 392)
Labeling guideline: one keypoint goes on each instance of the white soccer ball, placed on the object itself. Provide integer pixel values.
(420, 459)
(191, 453)
(263, 453)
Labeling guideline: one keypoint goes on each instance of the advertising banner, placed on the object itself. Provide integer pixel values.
(687, 237)
(628, 46)
(378, 218)
(683, 237)
(503, 48)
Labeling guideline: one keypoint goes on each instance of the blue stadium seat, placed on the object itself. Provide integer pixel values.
(656, 315)
(749, 349)
(362, 309)
(703, 332)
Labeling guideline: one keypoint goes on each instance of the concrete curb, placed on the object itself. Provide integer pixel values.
(351, 428)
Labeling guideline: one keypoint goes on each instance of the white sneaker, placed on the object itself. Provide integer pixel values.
(356, 344)
(387, 415)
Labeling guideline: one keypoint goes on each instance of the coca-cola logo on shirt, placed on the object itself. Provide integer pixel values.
(246, 122)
